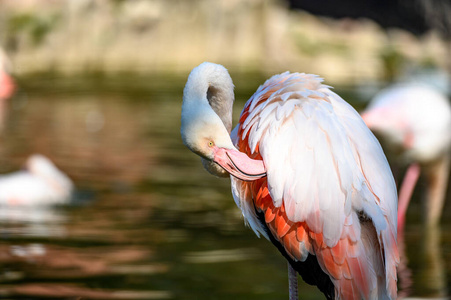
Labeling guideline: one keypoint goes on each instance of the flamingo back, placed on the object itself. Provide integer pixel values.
(329, 191)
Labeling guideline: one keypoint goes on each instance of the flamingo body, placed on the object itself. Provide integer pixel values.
(41, 183)
(416, 121)
(329, 200)
(414, 118)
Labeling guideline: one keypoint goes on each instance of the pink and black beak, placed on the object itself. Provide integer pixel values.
(239, 164)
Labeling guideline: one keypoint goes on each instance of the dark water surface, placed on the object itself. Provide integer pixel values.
(147, 221)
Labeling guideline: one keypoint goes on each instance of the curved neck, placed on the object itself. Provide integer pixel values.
(213, 83)
(221, 101)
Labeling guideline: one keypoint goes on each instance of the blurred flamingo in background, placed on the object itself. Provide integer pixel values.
(416, 122)
(7, 86)
(40, 183)
(307, 174)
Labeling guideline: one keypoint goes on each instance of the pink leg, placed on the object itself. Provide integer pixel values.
(405, 193)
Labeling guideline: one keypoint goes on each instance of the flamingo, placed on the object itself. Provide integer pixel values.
(307, 174)
(416, 122)
(40, 184)
(7, 85)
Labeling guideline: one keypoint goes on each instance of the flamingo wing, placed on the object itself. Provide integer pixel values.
(329, 191)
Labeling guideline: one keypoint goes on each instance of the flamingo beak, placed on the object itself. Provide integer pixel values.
(239, 164)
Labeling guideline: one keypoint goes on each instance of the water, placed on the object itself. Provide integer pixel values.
(147, 221)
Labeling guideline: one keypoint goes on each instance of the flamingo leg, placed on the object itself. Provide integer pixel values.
(292, 283)
(405, 194)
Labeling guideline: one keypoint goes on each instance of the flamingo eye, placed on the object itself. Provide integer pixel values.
(210, 144)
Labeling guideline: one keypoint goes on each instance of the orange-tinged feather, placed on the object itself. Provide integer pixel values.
(348, 290)
(291, 244)
(358, 272)
(265, 192)
(282, 226)
(319, 241)
(287, 243)
(346, 270)
(300, 233)
(339, 251)
(269, 215)
(352, 249)
(332, 268)
(244, 115)
(259, 195)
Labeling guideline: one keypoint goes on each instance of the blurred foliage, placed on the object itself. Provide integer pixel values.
(112, 36)
(310, 47)
(392, 61)
(428, 62)
(36, 27)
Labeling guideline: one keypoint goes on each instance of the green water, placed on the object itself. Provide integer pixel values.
(147, 221)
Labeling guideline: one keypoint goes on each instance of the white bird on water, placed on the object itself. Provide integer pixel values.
(416, 122)
(40, 183)
(307, 174)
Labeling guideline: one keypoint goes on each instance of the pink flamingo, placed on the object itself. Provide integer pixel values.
(7, 86)
(416, 121)
(307, 174)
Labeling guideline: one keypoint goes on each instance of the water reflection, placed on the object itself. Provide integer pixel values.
(97, 140)
(432, 270)
(147, 222)
(429, 279)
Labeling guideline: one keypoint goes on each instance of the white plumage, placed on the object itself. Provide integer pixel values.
(317, 165)
(412, 111)
(41, 183)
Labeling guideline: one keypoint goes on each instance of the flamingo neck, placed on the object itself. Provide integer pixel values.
(211, 84)
(221, 101)
(207, 112)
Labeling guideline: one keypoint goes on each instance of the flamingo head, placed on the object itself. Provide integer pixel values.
(205, 130)
(391, 127)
